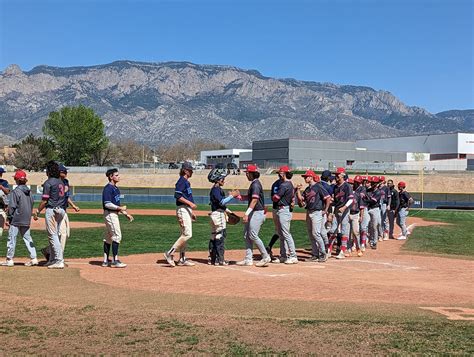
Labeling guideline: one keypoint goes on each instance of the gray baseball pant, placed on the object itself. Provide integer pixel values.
(11, 243)
(324, 230)
(54, 216)
(401, 220)
(355, 233)
(374, 214)
(283, 245)
(383, 228)
(364, 227)
(251, 230)
(286, 239)
(314, 224)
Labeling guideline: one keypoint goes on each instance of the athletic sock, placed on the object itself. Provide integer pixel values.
(115, 248)
(344, 244)
(274, 239)
(171, 251)
(106, 251)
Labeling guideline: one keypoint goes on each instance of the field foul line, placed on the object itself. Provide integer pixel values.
(381, 263)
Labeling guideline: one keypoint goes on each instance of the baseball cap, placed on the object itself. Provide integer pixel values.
(310, 173)
(284, 169)
(187, 166)
(382, 178)
(62, 168)
(402, 184)
(2, 170)
(19, 175)
(358, 178)
(350, 180)
(252, 168)
(326, 174)
(374, 179)
(340, 170)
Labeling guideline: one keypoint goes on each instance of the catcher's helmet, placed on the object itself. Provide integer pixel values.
(216, 174)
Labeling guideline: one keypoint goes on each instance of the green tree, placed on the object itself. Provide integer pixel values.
(78, 134)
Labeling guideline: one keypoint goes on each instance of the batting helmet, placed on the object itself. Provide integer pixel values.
(216, 174)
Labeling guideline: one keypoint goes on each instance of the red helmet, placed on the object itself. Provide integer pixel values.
(358, 178)
(311, 173)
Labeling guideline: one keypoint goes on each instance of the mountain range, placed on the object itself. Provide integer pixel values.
(164, 103)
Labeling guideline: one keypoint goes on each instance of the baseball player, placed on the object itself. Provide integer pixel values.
(19, 219)
(317, 201)
(384, 190)
(112, 208)
(64, 230)
(325, 178)
(184, 213)
(218, 215)
(373, 206)
(356, 214)
(364, 224)
(283, 200)
(4, 191)
(343, 198)
(53, 199)
(253, 219)
(393, 207)
(275, 237)
(405, 202)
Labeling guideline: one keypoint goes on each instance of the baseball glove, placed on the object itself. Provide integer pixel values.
(232, 218)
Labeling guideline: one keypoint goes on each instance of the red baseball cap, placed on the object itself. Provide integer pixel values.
(311, 173)
(19, 175)
(382, 178)
(284, 169)
(402, 184)
(358, 178)
(350, 180)
(340, 170)
(252, 168)
(374, 179)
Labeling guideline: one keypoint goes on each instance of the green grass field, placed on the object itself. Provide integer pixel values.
(149, 234)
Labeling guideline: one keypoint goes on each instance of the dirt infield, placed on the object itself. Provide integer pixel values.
(384, 275)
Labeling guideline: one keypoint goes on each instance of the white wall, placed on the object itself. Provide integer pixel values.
(466, 143)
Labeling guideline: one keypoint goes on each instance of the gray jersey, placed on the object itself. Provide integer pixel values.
(54, 193)
(21, 205)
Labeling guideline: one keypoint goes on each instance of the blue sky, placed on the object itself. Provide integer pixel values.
(420, 50)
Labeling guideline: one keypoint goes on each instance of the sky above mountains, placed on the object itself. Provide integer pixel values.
(420, 50)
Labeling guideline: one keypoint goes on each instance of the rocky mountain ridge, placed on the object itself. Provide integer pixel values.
(162, 103)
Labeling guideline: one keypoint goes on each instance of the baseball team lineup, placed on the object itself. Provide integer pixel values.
(344, 215)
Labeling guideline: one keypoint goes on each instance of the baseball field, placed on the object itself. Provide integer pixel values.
(406, 297)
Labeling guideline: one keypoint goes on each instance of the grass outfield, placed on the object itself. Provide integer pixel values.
(457, 238)
(148, 234)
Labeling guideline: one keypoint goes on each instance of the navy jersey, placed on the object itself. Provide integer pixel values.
(314, 197)
(359, 200)
(216, 196)
(285, 194)
(183, 189)
(67, 192)
(329, 188)
(404, 199)
(3, 183)
(274, 191)
(374, 198)
(342, 194)
(385, 194)
(256, 191)
(54, 193)
(394, 200)
(110, 194)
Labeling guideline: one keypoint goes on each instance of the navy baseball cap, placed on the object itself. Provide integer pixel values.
(62, 168)
(325, 175)
(187, 166)
(2, 170)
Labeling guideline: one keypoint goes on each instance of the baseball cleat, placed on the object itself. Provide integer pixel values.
(341, 255)
(293, 260)
(7, 263)
(169, 259)
(106, 263)
(117, 264)
(57, 265)
(401, 238)
(264, 262)
(185, 263)
(245, 263)
(32, 262)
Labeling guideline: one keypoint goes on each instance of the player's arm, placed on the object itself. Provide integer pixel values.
(73, 205)
(299, 196)
(251, 207)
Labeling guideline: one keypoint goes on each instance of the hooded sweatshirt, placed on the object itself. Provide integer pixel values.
(21, 206)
